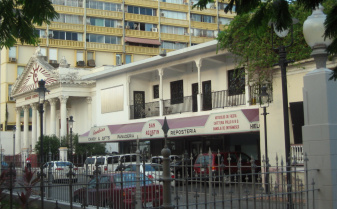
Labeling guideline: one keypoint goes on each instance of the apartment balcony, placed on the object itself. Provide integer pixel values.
(174, 7)
(296, 151)
(66, 27)
(141, 50)
(141, 18)
(199, 40)
(210, 12)
(105, 14)
(104, 47)
(43, 42)
(228, 15)
(204, 25)
(174, 37)
(142, 3)
(66, 44)
(174, 22)
(141, 34)
(69, 10)
(104, 30)
(215, 100)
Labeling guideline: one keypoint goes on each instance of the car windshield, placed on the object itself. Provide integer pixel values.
(89, 161)
(157, 168)
(100, 161)
(203, 159)
(129, 180)
(157, 160)
(62, 164)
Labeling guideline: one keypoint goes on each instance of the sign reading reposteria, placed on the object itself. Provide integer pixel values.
(238, 121)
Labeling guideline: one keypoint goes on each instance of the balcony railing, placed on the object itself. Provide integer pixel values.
(221, 99)
(150, 109)
(185, 106)
(297, 155)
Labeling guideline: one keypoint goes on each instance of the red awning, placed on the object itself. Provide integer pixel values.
(142, 41)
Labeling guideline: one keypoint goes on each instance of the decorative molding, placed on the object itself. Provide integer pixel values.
(52, 101)
(34, 106)
(63, 99)
(89, 100)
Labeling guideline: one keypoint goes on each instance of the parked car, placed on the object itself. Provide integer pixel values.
(159, 159)
(60, 171)
(221, 164)
(152, 170)
(108, 163)
(117, 190)
(182, 168)
(6, 172)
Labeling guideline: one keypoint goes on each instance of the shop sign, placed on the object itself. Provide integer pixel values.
(152, 129)
(97, 134)
(228, 122)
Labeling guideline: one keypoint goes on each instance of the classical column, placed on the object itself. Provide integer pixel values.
(89, 102)
(38, 125)
(63, 102)
(34, 124)
(52, 103)
(26, 126)
(161, 105)
(199, 63)
(18, 130)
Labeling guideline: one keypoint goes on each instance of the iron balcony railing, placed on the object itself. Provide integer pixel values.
(297, 153)
(213, 100)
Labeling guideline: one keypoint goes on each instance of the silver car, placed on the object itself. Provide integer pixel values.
(60, 171)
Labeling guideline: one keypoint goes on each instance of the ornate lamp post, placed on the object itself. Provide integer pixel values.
(283, 63)
(71, 123)
(264, 103)
(42, 93)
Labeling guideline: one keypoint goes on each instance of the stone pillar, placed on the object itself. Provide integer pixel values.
(52, 103)
(18, 139)
(320, 135)
(26, 126)
(199, 98)
(34, 107)
(63, 102)
(89, 102)
(63, 153)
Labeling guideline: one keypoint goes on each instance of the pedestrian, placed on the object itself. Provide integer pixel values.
(28, 163)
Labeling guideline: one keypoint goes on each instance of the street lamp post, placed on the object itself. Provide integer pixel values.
(71, 123)
(264, 103)
(42, 93)
(14, 129)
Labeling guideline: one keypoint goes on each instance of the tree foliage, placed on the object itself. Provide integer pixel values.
(249, 35)
(80, 148)
(17, 19)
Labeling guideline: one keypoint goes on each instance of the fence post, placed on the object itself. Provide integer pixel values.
(49, 176)
(138, 198)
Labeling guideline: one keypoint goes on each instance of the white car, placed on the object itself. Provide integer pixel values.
(159, 159)
(152, 170)
(60, 171)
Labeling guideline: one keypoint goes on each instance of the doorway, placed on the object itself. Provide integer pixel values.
(139, 104)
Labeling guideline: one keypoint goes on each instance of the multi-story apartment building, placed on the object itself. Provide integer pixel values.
(110, 32)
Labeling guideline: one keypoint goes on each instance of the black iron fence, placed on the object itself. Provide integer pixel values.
(214, 181)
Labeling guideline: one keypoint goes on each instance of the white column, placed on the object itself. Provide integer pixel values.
(52, 103)
(199, 63)
(18, 140)
(89, 102)
(34, 107)
(38, 123)
(161, 105)
(26, 126)
(63, 102)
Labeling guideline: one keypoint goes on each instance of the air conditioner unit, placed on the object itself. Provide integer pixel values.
(12, 59)
(53, 61)
(80, 63)
(154, 29)
(119, 26)
(91, 63)
(127, 27)
(162, 14)
(119, 10)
